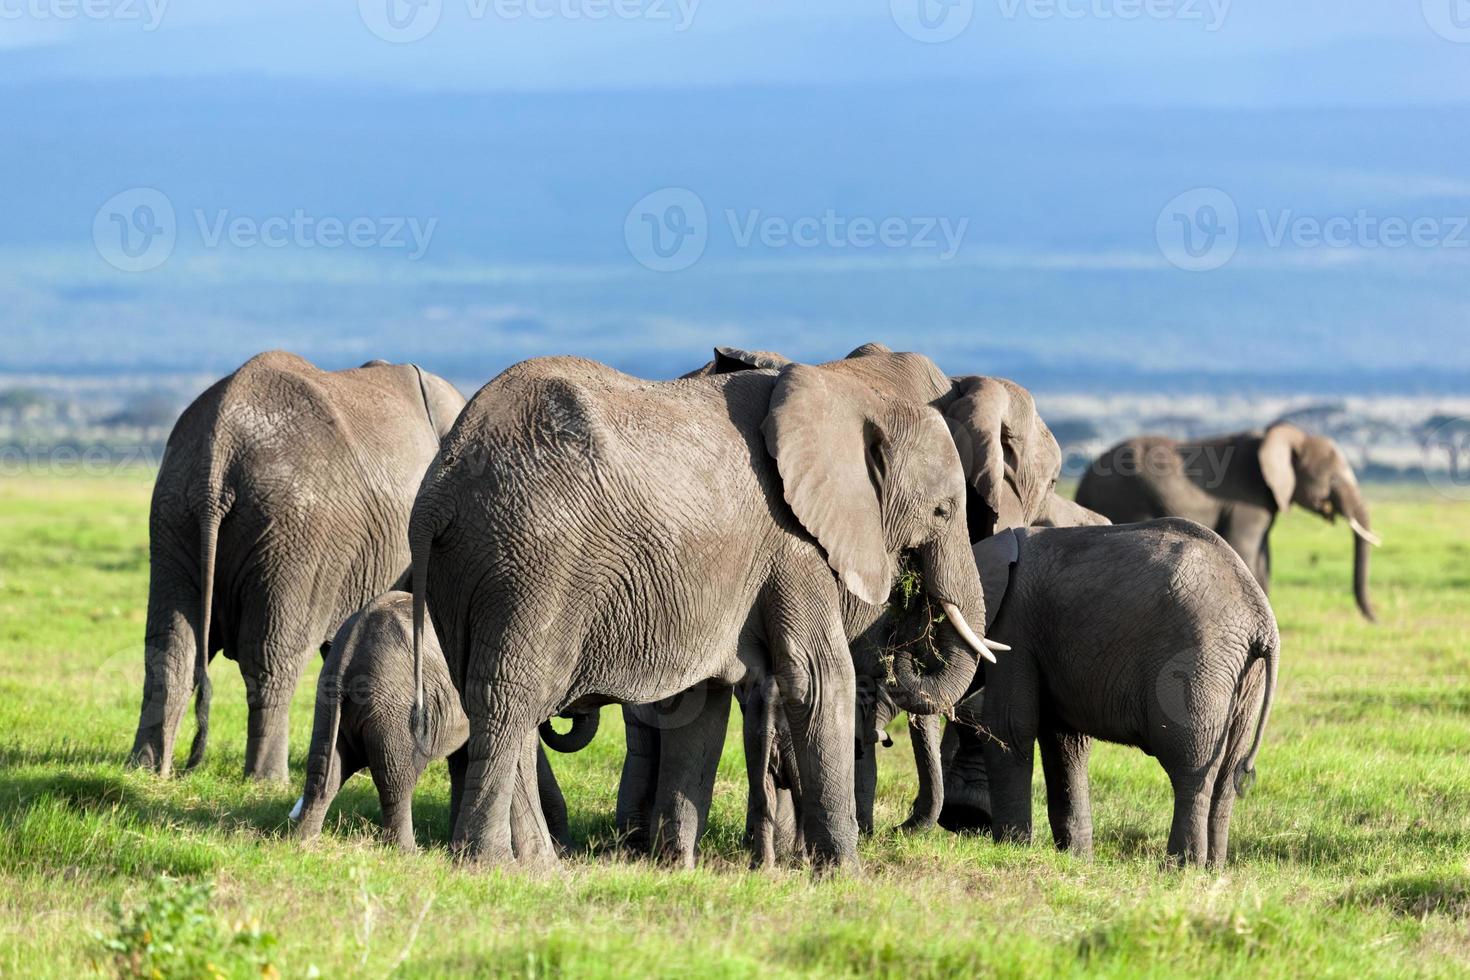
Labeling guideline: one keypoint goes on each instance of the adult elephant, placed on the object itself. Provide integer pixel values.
(1010, 461)
(281, 507)
(1235, 485)
(586, 537)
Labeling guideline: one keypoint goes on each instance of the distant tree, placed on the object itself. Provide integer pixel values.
(20, 400)
(153, 410)
(1070, 432)
(1450, 433)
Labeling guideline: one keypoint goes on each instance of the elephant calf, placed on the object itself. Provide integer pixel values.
(364, 697)
(1140, 634)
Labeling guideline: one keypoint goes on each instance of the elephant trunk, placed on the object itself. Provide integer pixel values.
(954, 586)
(323, 760)
(577, 738)
(1350, 502)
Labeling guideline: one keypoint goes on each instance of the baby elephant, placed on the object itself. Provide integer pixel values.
(364, 699)
(1140, 634)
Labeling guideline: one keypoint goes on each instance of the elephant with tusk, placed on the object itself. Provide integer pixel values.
(1236, 485)
(585, 538)
(1010, 461)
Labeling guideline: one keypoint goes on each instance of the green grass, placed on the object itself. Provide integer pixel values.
(1351, 857)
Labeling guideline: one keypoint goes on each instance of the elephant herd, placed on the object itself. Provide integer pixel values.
(827, 545)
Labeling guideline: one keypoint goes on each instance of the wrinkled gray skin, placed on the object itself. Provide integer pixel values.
(280, 508)
(1010, 460)
(586, 537)
(364, 699)
(1153, 635)
(1234, 485)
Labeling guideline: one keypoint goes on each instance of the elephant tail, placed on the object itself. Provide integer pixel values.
(578, 737)
(423, 526)
(214, 513)
(1267, 648)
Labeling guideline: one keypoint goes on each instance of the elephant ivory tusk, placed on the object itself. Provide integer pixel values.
(963, 629)
(994, 645)
(1364, 533)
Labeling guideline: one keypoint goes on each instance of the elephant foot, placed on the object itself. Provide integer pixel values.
(964, 818)
(917, 825)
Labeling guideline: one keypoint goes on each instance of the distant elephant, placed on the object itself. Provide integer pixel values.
(586, 537)
(1140, 634)
(364, 698)
(1235, 485)
(1011, 462)
(280, 508)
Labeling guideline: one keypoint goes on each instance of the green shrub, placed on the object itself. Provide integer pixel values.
(175, 933)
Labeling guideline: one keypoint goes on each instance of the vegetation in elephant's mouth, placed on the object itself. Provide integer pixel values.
(906, 593)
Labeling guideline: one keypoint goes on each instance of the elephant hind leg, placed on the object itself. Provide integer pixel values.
(686, 778)
(483, 832)
(1189, 832)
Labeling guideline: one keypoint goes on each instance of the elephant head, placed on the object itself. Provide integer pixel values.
(873, 478)
(1011, 458)
(1312, 472)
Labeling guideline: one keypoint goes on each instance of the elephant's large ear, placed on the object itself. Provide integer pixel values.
(728, 360)
(1278, 461)
(994, 423)
(995, 557)
(831, 456)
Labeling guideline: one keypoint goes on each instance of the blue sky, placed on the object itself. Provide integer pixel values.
(1214, 51)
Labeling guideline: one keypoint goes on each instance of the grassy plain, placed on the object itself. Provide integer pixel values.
(1351, 857)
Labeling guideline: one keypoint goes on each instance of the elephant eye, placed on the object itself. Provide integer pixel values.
(942, 511)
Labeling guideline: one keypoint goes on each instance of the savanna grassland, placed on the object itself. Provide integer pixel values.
(1351, 856)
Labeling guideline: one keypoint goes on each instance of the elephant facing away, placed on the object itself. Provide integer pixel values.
(1235, 485)
(364, 699)
(1153, 635)
(586, 537)
(281, 507)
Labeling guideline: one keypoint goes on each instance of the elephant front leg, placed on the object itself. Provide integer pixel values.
(924, 732)
(818, 689)
(1009, 719)
(686, 777)
(1064, 756)
(639, 779)
(758, 725)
